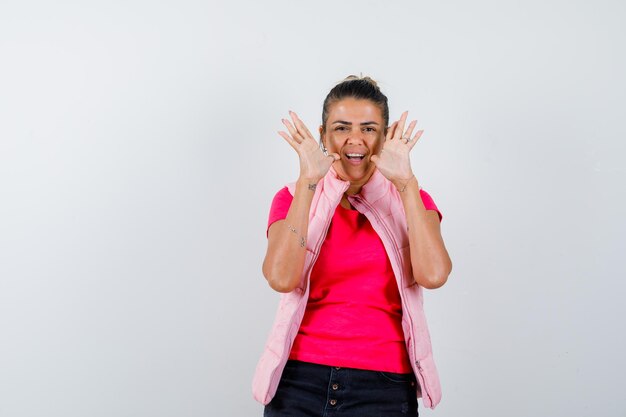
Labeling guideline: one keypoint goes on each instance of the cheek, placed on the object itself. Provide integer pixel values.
(378, 145)
(333, 144)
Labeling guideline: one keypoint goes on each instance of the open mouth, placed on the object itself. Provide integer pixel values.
(355, 156)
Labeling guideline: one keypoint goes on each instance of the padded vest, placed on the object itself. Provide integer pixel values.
(380, 202)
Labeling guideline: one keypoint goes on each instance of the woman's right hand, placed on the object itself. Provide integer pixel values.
(313, 163)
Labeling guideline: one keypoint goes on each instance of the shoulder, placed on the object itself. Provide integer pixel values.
(283, 195)
(429, 203)
(280, 206)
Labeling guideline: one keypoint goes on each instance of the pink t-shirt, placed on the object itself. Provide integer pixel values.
(353, 314)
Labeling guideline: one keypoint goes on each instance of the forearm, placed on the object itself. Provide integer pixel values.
(286, 249)
(429, 258)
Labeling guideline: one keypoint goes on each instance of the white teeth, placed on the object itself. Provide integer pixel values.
(355, 155)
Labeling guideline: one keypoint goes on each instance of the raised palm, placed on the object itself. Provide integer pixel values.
(314, 164)
(393, 160)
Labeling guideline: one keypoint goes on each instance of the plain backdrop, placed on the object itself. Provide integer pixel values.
(139, 157)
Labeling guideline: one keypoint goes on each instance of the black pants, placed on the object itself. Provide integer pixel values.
(308, 389)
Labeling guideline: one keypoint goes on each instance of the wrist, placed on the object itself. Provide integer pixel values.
(307, 183)
(401, 184)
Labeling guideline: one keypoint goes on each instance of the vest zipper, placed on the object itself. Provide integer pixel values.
(318, 246)
(392, 239)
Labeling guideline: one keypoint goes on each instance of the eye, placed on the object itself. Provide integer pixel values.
(340, 128)
(370, 129)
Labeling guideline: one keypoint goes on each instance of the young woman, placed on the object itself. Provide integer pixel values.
(350, 245)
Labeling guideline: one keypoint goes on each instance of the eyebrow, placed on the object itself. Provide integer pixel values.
(343, 122)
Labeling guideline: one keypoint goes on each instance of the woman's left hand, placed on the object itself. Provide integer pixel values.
(393, 160)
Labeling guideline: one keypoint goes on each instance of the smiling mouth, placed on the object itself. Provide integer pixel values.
(355, 156)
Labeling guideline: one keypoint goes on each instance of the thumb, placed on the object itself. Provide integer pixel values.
(374, 158)
(335, 156)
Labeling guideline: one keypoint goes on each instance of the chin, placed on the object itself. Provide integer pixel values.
(353, 175)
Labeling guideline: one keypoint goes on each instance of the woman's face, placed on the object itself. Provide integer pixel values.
(355, 130)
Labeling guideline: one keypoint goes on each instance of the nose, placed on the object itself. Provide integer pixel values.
(356, 138)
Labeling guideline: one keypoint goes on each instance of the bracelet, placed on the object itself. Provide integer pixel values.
(406, 184)
(302, 241)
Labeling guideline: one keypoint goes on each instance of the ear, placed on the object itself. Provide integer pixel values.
(321, 130)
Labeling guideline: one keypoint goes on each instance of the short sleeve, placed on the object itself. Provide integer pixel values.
(429, 204)
(280, 206)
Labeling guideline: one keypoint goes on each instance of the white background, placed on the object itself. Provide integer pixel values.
(139, 157)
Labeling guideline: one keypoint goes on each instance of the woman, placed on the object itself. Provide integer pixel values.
(350, 246)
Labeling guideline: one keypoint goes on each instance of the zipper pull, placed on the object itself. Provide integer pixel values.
(419, 366)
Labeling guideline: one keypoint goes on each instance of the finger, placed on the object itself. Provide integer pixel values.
(304, 131)
(400, 127)
(298, 125)
(335, 156)
(292, 131)
(415, 139)
(374, 159)
(409, 130)
(289, 140)
(391, 130)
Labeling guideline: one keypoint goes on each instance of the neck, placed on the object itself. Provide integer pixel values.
(354, 188)
(356, 185)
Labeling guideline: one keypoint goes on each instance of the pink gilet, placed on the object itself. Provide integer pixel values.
(380, 202)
